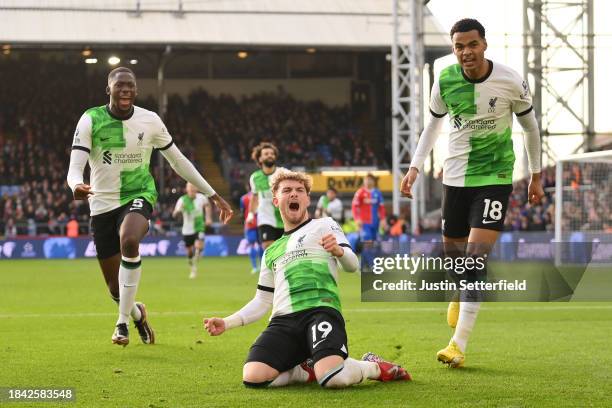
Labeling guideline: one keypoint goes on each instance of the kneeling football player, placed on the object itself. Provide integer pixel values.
(306, 337)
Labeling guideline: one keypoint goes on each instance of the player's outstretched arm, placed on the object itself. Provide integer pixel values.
(251, 312)
(345, 255)
(424, 146)
(184, 168)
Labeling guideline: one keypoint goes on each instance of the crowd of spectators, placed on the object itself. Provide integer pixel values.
(586, 201)
(38, 116)
(37, 121)
(309, 134)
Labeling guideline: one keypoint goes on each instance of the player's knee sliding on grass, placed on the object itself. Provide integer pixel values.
(117, 141)
(306, 338)
(330, 372)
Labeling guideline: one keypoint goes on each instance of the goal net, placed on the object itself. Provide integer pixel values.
(583, 197)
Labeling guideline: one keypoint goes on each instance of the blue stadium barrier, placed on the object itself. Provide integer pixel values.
(511, 246)
(70, 248)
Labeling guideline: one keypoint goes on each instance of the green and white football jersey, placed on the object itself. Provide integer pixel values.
(193, 213)
(480, 114)
(301, 273)
(267, 213)
(119, 155)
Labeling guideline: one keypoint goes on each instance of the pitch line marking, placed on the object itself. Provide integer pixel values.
(356, 310)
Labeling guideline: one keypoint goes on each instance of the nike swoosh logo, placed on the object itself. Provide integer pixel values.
(488, 222)
(104, 139)
(317, 343)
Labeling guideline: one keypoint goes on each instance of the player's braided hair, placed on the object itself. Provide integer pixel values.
(282, 175)
(256, 153)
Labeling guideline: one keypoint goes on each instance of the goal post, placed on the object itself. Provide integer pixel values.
(583, 195)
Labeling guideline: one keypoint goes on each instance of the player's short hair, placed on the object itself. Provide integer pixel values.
(282, 175)
(468, 24)
(118, 70)
(332, 189)
(256, 153)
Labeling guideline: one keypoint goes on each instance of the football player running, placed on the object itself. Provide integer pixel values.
(480, 97)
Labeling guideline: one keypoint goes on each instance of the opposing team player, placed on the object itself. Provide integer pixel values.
(250, 232)
(368, 209)
(269, 222)
(298, 278)
(117, 139)
(197, 214)
(480, 97)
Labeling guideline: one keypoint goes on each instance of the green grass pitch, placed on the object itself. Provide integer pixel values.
(56, 320)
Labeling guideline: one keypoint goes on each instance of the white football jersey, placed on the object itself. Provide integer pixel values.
(480, 113)
(299, 271)
(193, 213)
(119, 155)
(267, 213)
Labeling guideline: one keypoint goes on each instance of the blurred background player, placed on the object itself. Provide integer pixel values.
(306, 318)
(369, 214)
(477, 179)
(117, 140)
(197, 215)
(368, 209)
(269, 221)
(329, 205)
(250, 232)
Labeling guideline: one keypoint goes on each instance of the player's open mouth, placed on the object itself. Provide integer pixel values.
(294, 206)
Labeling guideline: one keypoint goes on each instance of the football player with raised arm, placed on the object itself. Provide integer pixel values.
(117, 140)
(299, 281)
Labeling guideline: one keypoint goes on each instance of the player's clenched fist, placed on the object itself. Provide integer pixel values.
(214, 326)
(329, 243)
(408, 181)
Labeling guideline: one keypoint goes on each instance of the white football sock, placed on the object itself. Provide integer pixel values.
(468, 311)
(135, 313)
(129, 276)
(294, 375)
(350, 372)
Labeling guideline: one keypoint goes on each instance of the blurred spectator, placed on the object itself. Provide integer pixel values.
(329, 205)
(72, 228)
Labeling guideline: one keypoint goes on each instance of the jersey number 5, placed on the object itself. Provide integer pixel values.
(137, 204)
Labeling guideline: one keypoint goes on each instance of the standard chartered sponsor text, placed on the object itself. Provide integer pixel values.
(127, 158)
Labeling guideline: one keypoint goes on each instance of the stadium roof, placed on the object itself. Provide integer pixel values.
(216, 23)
